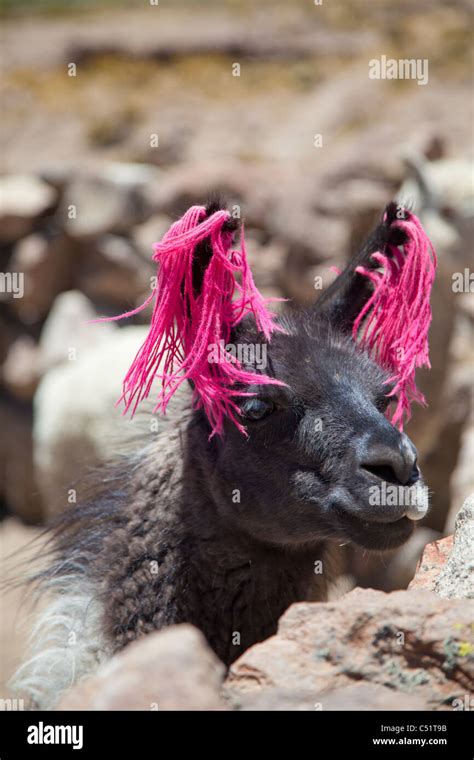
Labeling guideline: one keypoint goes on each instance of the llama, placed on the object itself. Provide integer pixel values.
(226, 531)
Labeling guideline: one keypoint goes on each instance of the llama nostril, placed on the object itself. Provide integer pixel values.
(395, 464)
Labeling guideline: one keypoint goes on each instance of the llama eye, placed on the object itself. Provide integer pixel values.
(256, 409)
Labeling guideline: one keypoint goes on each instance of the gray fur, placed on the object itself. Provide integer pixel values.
(66, 643)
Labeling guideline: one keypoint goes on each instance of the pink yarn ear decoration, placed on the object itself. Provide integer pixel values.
(393, 325)
(186, 326)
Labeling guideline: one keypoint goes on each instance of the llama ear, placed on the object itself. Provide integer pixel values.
(204, 290)
(345, 298)
(203, 250)
(383, 299)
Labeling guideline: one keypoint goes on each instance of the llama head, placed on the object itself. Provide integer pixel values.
(320, 458)
(305, 451)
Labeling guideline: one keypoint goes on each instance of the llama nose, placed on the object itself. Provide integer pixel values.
(392, 462)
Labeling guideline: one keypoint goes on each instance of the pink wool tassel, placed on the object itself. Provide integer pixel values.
(393, 325)
(186, 325)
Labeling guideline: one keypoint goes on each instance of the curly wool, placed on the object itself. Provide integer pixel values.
(169, 561)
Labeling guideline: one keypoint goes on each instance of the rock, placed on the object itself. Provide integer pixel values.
(194, 182)
(305, 282)
(173, 669)
(315, 236)
(77, 425)
(92, 206)
(131, 176)
(358, 696)
(432, 561)
(151, 231)
(57, 174)
(394, 569)
(314, 244)
(462, 357)
(444, 203)
(47, 267)
(18, 486)
(441, 232)
(4, 341)
(354, 197)
(174, 142)
(266, 261)
(66, 332)
(447, 565)
(451, 183)
(112, 273)
(225, 39)
(413, 643)
(439, 434)
(21, 369)
(182, 33)
(23, 199)
(456, 579)
(462, 481)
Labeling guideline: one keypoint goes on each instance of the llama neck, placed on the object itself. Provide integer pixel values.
(179, 562)
(237, 589)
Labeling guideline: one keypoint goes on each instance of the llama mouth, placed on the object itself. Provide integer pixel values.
(374, 534)
(395, 499)
(370, 511)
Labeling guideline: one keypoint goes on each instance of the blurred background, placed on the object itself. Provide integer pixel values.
(119, 115)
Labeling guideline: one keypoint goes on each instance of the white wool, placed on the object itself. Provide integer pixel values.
(66, 643)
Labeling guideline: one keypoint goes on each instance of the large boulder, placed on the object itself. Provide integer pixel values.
(111, 272)
(149, 232)
(172, 669)
(18, 484)
(393, 569)
(411, 643)
(431, 562)
(358, 696)
(92, 206)
(456, 579)
(447, 565)
(20, 370)
(23, 199)
(47, 266)
(462, 481)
